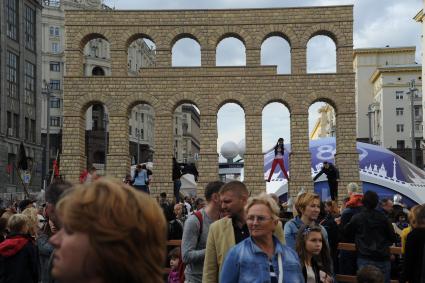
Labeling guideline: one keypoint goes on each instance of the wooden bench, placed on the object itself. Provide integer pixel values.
(352, 247)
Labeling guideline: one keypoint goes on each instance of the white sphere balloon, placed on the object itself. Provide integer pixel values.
(242, 148)
(229, 150)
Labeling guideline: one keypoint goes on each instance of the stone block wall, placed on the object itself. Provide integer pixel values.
(209, 87)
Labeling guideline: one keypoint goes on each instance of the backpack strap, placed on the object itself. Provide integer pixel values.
(198, 215)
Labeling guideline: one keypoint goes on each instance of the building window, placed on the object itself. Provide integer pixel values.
(29, 28)
(129, 130)
(399, 111)
(55, 66)
(417, 111)
(418, 126)
(27, 128)
(142, 134)
(9, 124)
(55, 84)
(55, 102)
(55, 47)
(55, 121)
(54, 31)
(29, 94)
(16, 125)
(12, 75)
(400, 128)
(33, 130)
(142, 117)
(400, 144)
(12, 19)
(11, 160)
(418, 143)
(399, 95)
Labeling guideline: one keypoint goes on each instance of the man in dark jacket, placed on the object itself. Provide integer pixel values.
(373, 235)
(177, 173)
(332, 173)
(18, 254)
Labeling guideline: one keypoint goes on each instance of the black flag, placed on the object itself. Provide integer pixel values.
(22, 158)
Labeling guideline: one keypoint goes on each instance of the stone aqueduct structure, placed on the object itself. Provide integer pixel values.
(209, 87)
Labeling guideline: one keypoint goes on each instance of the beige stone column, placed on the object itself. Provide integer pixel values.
(163, 155)
(163, 57)
(208, 162)
(118, 156)
(346, 157)
(298, 60)
(74, 63)
(300, 159)
(253, 57)
(73, 160)
(119, 62)
(344, 59)
(254, 159)
(208, 57)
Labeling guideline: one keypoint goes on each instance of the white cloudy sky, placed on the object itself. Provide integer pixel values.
(377, 23)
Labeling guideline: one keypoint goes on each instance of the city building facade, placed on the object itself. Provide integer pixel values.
(97, 63)
(391, 110)
(383, 76)
(20, 92)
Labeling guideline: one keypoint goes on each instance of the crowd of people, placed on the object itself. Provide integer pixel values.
(113, 231)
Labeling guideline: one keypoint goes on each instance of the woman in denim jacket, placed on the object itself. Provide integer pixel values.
(308, 209)
(261, 257)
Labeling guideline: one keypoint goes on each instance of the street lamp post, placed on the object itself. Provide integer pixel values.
(412, 90)
(138, 146)
(106, 120)
(369, 115)
(48, 94)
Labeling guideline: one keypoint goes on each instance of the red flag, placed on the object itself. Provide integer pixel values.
(9, 168)
(55, 168)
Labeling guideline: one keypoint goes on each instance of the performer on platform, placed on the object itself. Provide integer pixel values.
(279, 151)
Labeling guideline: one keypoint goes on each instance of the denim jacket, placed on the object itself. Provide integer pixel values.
(291, 228)
(246, 262)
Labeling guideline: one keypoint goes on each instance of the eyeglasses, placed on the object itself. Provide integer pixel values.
(260, 218)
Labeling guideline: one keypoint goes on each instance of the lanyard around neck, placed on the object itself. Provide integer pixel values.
(279, 261)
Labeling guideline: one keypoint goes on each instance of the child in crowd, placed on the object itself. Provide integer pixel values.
(313, 252)
(174, 275)
(370, 274)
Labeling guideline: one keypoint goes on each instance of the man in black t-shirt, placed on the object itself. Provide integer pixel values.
(332, 173)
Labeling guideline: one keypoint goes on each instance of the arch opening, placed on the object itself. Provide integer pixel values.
(321, 55)
(322, 128)
(276, 124)
(187, 144)
(97, 57)
(97, 136)
(230, 51)
(141, 53)
(186, 52)
(276, 50)
(231, 141)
